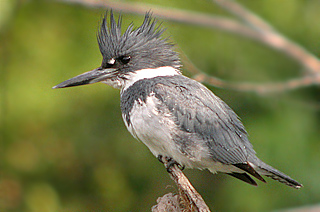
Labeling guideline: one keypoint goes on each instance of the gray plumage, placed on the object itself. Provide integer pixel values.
(203, 121)
(174, 116)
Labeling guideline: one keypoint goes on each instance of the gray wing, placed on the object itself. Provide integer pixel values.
(205, 118)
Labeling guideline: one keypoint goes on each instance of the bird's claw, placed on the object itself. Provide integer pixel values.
(169, 162)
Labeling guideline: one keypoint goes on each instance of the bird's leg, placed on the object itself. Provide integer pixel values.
(169, 162)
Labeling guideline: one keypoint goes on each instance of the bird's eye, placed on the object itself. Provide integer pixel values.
(125, 59)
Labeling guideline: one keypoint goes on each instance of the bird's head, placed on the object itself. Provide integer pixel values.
(125, 54)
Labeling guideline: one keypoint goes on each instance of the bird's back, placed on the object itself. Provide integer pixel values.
(200, 120)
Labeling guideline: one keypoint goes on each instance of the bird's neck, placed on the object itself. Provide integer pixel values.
(149, 73)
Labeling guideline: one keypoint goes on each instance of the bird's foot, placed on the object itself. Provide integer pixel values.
(169, 162)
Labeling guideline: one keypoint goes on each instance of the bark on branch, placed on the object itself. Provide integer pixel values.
(188, 200)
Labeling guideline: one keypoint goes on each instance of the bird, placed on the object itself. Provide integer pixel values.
(176, 117)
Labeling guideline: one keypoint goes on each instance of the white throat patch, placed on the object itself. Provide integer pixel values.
(149, 73)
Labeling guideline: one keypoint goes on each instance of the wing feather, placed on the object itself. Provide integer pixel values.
(199, 112)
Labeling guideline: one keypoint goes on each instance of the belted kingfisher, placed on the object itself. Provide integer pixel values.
(174, 116)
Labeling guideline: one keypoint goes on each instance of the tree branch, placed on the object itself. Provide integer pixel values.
(189, 199)
(252, 27)
(257, 30)
(244, 14)
(271, 37)
(261, 88)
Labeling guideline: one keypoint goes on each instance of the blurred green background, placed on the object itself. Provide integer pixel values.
(68, 149)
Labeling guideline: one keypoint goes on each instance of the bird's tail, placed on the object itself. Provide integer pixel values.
(266, 170)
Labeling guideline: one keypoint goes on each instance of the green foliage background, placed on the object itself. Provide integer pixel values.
(68, 149)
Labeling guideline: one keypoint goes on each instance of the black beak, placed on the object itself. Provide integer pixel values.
(90, 77)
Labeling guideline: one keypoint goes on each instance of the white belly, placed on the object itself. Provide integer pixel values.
(153, 129)
(156, 129)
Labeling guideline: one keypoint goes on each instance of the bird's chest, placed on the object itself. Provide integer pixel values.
(150, 122)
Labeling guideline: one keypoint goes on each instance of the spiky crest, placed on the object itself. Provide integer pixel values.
(140, 42)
